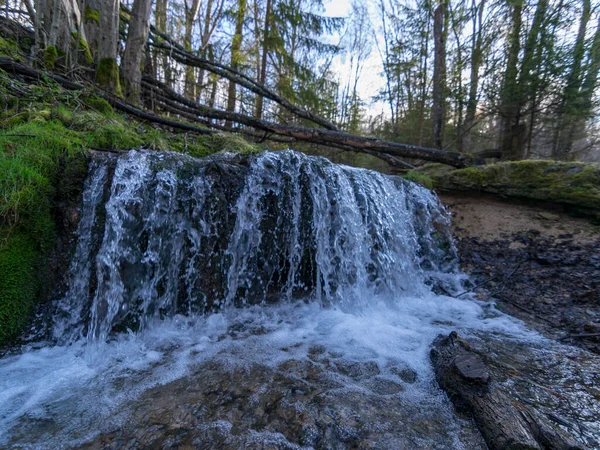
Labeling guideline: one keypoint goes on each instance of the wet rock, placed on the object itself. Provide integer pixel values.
(357, 369)
(406, 374)
(504, 420)
(471, 367)
(383, 386)
(549, 283)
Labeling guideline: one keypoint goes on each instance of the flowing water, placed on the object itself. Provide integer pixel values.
(265, 301)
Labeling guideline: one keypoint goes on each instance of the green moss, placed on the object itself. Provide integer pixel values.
(98, 104)
(50, 57)
(18, 282)
(42, 159)
(571, 183)
(228, 142)
(420, 178)
(91, 15)
(107, 75)
(85, 55)
(9, 47)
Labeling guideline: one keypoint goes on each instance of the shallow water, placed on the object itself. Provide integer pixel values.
(65, 395)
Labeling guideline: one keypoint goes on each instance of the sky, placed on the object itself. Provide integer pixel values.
(371, 79)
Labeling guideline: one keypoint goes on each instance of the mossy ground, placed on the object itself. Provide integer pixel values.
(44, 139)
(569, 183)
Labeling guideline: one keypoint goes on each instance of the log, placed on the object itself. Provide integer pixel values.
(174, 103)
(505, 422)
(13, 67)
(163, 41)
(317, 136)
(331, 138)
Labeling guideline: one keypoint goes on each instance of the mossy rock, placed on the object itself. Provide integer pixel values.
(419, 178)
(569, 183)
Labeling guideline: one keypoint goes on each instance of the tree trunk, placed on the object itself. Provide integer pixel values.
(191, 15)
(476, 58)
(439, 73)
(236, 45)
(56, 25)
(137, 37)
(588, 87)
(509, 101)
(569, 109)
(161, 62)
(102, 30)
(262, 77)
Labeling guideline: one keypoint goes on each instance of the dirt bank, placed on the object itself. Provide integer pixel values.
(540, 264)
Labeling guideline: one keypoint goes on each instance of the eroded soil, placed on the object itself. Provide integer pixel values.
(540, 264)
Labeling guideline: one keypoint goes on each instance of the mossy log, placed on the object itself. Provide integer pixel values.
(504, 421)
(573, 184)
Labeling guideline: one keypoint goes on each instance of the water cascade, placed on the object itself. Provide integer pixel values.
(190, 272)
(186, 236)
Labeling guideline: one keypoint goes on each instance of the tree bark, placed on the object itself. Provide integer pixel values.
(102, 30)
(137, 38)
(262, 77)
(236, 46)
(439, 73)
(55, 24)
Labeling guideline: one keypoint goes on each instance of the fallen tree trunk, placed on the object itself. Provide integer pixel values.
(317, 136)
(504, 421)
(163, 41)
(13, 67)
(191, 112)
(331, 138)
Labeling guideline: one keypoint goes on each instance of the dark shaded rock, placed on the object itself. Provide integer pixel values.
(505, 422)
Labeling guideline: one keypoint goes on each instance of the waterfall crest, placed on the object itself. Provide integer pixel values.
(164, 234)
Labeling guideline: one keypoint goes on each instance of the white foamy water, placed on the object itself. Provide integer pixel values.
(63, 395)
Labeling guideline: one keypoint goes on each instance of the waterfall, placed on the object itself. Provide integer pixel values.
(183, 236)
(247, 301)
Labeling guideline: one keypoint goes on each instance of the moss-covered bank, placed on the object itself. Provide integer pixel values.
(568, 183)
(44, 141)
